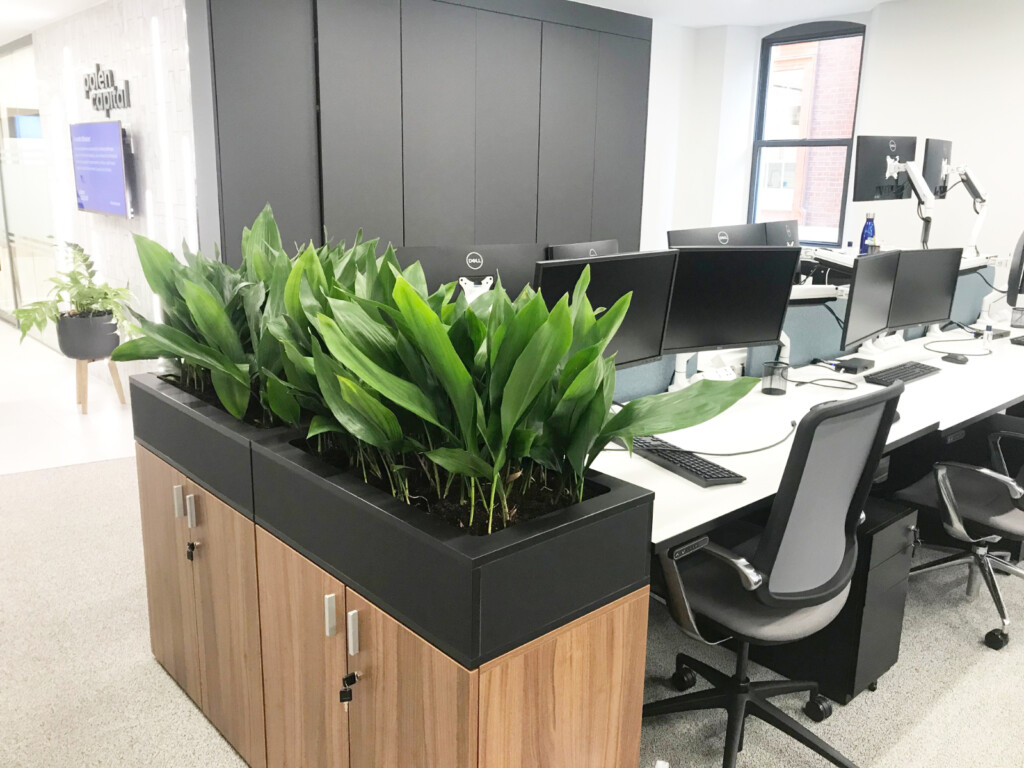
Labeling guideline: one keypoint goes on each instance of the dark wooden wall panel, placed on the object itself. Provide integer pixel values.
(507, 120)
(568, 116)
(622, 84)
(439, 111)
(265, 77)
(361, 117)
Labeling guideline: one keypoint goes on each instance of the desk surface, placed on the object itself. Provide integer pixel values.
(956, 397)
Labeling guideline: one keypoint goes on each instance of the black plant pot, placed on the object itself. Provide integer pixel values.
(205, 442)
(87, 337)
(473, 597)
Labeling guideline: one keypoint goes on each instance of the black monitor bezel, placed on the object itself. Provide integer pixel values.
(862, 143)
(550, 263)
(747, 225)
(1013, 286)
(549, 251)
(933, 147)
(845, 343)
(952, 296)
(746, 249)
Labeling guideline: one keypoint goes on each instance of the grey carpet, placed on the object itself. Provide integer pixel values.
(79, 686)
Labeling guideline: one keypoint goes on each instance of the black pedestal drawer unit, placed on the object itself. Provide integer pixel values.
(863, 643)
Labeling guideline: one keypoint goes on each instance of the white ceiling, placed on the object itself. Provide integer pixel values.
(23, 17)
(752, 13)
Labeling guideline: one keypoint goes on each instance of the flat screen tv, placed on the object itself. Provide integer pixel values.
(98, 157)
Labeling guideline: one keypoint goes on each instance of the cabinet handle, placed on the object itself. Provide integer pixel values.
(330, 616)
(190, 510)
(352, 618)
(179, 501)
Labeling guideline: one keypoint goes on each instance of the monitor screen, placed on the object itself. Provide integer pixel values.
(924, 288)
(937, 153)
(867, 310)
(729, 297)
(97, 155)
(1013, 285)
(448, 264)
(583, 250)
(647, 275)
(873, 153)
(736, 235)
(782, 233)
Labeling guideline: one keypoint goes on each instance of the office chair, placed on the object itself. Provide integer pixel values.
(786, 583)
(979, 507)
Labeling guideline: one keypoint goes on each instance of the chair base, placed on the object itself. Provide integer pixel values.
(739, 698)
(984, 563)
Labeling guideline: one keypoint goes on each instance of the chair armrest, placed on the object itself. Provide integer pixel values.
(996, 450)
(749, 575)
(952, 520)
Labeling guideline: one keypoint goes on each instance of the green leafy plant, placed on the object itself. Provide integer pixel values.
(76, 292)
(215, 318)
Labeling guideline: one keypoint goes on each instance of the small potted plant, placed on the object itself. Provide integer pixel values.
(87, 314)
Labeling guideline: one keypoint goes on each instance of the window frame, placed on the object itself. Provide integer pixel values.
(803, 33)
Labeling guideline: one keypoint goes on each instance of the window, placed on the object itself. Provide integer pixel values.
(803, 136)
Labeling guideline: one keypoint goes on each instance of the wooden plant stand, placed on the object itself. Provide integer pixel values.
(82, 382)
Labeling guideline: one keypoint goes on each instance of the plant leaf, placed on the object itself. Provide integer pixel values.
(460, 462)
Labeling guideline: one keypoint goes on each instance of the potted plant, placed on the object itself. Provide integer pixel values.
(87, 314)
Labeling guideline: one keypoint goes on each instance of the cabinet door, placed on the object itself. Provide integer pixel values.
(228, 621)
(169, 587)
(304, 658)
(412, 706)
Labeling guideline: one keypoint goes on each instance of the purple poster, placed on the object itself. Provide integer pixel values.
(97, 155)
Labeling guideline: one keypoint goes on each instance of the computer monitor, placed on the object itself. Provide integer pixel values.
(937, 156)
(583, 250)
(871, 287)
(873, 155)
(447, 264)
(924, 287)
(782, 232)
(1013, 285)
(735, 235)
(729, 297)
(648, 275)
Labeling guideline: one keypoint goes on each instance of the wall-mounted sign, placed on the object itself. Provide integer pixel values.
(104, 93)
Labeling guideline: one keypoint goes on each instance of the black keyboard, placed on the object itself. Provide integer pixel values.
(685, 464)
(1018, 340)
(905, 372)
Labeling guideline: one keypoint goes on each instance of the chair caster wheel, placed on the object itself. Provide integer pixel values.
(997, 639)
(873, 686)
(684, 679)
(818, 708)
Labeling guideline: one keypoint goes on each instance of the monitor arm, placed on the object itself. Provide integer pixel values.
(925, 198)
(978, 196)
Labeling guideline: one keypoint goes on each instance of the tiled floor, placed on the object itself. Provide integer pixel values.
(40, 424)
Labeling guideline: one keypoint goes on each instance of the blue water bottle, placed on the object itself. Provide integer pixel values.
(868, 233)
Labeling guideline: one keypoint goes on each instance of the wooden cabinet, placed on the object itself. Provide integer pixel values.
(204, 610)
(304, 659)
(169, 575)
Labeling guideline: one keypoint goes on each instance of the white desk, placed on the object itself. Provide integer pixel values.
(958, 396)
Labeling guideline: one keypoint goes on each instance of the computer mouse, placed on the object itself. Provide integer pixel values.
(954, 358)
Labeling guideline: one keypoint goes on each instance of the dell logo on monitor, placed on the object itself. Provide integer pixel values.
(474, 260)
(593, 253)
(892, 145)
(723, 238)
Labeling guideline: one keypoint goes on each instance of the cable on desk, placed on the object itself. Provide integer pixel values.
(930, 348)
(792, 429)
(828, 383)
(833, 313)
(985, 279)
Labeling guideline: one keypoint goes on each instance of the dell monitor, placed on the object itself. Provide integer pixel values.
(729, 297)
(782, 233)
(647, 275)
(874, 156)
(583, 250)
(937, 156)
(1013, 285)
(102, 168)
(924, 287)
(450, 264)
(736, 235)
(871, 288)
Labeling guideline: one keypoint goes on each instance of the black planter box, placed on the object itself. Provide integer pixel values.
(203, 441)
(473, 597)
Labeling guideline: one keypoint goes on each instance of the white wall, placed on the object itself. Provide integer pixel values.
(952, 70)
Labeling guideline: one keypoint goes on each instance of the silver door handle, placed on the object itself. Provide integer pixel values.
(330, 616)
(352, 620)
(190, 510)
(179, 501)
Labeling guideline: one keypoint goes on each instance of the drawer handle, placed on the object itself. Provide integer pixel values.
(330, 616)
(915, 533)
(179, 501)
(190, 510)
